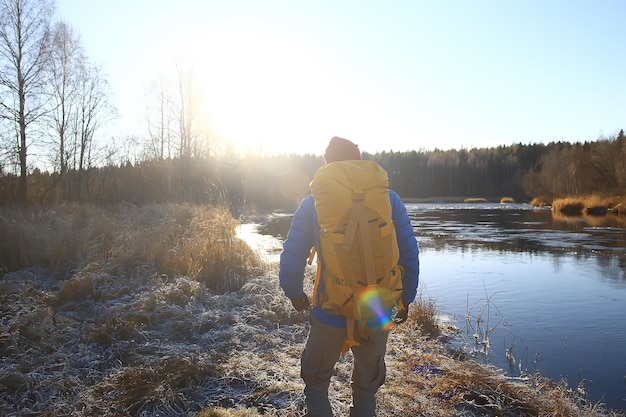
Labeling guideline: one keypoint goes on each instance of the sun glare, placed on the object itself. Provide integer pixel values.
(267, 90)
(262, 88)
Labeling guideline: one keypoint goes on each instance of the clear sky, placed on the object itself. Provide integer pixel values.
(286, 75)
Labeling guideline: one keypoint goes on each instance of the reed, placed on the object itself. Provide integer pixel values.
(423, 312)
(591, 205)
(479, 316)
(568, 206)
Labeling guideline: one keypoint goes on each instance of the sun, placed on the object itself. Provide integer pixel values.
(262, 88)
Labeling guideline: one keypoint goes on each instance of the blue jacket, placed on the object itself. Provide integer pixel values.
(303, 234)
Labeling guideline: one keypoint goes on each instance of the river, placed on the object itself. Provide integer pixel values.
(529, 291)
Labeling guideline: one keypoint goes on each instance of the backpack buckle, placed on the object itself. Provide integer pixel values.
(372, 288)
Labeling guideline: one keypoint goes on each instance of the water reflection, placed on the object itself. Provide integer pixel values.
(532, 291)
(520, 228)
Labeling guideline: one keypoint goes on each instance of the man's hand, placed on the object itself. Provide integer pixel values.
(301, 303)
(401, 315)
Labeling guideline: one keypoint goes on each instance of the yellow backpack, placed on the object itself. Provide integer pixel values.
(357, 249)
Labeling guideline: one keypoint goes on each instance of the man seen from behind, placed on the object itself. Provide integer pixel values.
(364, 329)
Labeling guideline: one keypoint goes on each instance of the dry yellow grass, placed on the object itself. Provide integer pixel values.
(592, 205)
(475, 200)
(568, 206)
(174, 239)
(540, 201)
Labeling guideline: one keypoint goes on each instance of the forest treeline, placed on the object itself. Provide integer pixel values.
(279, 182)
(520, 171)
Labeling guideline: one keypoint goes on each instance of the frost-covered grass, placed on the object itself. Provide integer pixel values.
(118, 325)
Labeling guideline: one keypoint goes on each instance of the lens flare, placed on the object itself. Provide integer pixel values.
(371, 300)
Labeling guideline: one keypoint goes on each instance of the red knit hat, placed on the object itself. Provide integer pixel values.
(340, 149)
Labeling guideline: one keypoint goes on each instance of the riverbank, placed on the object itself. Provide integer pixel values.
(137, 344)
(151, 311)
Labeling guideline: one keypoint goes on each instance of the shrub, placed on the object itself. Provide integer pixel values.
(568, 206)
(424, 312)
(588, 205)
(540, 201)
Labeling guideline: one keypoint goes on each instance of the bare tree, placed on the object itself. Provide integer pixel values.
(186, 108)
(620, 155)
(79, 105)
(67, 59)
(92, 112)
(175, 114)
(24, 54)
(606, 157)
(159, 114)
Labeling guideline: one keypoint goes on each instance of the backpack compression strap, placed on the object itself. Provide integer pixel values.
(358, 218)
(318, 274)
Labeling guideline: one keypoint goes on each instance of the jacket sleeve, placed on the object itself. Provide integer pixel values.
(297, 248)
(409, 250)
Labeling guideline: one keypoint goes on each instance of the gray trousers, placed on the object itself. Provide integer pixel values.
(320, 355)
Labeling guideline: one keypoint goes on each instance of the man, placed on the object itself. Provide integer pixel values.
(328, 330)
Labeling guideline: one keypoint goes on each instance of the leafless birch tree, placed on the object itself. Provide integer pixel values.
(67, 60)
(24, 55)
